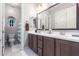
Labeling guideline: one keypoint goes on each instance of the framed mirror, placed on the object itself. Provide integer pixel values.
(61, 16)
(43, 20)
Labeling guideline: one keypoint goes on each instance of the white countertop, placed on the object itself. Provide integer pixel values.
(58, 36)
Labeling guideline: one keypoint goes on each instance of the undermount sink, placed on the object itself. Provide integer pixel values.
(75, 35)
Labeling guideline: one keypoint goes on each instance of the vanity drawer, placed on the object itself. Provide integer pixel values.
(40, 51)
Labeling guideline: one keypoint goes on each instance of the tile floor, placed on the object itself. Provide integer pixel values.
(16, 51)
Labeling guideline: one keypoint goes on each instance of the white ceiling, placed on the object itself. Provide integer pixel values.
(14, 4)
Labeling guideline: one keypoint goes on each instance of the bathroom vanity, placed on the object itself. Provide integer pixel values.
(63, 16)
(53, 45)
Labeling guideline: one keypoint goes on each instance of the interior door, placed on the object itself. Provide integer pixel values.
(0, 29)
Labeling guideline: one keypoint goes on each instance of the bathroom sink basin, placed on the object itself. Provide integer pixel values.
(75, 35)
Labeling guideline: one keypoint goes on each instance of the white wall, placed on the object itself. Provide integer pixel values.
(28, 10)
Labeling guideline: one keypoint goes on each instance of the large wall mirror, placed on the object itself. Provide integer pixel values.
(59, 16)
(43, 20)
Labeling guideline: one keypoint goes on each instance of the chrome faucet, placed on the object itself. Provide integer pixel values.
(50, 31)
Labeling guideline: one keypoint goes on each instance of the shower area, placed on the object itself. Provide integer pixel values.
(12, 28)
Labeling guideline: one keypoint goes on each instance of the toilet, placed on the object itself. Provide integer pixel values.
(11, 39)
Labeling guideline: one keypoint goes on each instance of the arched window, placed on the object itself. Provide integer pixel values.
(11, 20)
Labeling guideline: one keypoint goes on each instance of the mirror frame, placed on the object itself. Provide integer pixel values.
(77, 18)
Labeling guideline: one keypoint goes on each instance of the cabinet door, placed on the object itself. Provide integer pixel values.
(57, 47)
(30, 41)
(65, 48)
(35, 43)
(71, 17)
(75, 49)
(40, 42)
(40, 45)
(48, 46)
(60, 19)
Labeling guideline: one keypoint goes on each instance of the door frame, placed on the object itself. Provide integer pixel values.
(3, 28)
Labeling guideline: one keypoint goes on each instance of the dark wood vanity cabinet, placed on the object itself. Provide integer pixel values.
(63, 48)
(34, 43)
(30, 41)
(75, 49)
(48, 46)
(45, 46)
(66, 48)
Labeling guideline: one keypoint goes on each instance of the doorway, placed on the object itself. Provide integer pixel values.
(12, 40)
